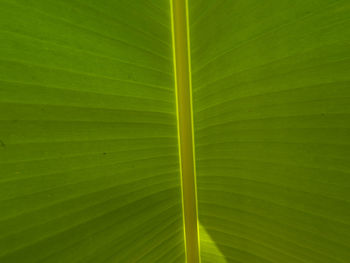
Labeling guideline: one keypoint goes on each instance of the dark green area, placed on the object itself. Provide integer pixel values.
(88, 159)
(271, 84)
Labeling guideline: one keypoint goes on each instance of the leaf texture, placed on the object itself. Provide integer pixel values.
(271, 101)
(89, 158)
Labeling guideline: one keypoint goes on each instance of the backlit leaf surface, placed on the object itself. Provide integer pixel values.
(89, 158)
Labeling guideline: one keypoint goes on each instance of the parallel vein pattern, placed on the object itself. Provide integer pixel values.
(88, 140)
(271, 85)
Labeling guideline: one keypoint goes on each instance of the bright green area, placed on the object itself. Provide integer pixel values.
(271, 96)
(89, 163)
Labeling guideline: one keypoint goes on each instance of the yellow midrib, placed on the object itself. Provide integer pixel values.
(182, 69)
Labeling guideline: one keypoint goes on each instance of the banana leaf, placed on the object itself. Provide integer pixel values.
(90, 148)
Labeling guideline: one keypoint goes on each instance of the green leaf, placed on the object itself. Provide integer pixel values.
(89, 159)
(91, 168)
(271, 97)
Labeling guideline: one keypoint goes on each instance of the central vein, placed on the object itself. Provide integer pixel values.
(182, 70)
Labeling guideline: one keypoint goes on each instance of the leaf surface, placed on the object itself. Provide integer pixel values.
(271, 101)
(89, 159)
(90, 169)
